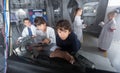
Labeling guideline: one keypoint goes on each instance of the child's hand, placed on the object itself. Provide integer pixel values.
(72, 60)
(84, 25)
(112, 29)
(33, 36)
(101, 24)
(46, 41)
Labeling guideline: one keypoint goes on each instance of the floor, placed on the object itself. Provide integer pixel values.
(114, 55)
(90, 51)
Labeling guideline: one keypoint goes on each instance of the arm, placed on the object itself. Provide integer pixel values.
(78, 22)
(101, 24)
(33, 30)
(76, 44)
(24, 32)
(112, 27)
(54, 47)
(72, 60)
(46, 41)
(52, 36)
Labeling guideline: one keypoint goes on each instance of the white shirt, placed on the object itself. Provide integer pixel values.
(51, 34)
(106, 36)
(77, 27)
(25, 31)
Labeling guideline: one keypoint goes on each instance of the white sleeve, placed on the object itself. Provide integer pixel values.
(113, 25)
(52, 36)
(24, 32)
(78, 22)
(101, 24)
(54, 48)
(33, 30)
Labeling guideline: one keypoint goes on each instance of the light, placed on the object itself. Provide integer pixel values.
(114, 3)
(21, 12)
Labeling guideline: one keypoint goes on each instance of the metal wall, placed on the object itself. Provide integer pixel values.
(62, 9)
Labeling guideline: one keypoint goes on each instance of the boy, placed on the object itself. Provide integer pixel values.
(66, 39)
(45, 36)
(67, 42)
(29, 30)
(46, 33)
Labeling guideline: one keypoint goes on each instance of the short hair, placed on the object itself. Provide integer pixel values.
(26, 19)
(39, 21)
(63, 25)
(112, 13)
(76, 10)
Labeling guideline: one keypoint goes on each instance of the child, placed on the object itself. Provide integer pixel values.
(107, 32)
(67, 42)
(29, 30)
(65, 38)
(47, 33)
(77, 24)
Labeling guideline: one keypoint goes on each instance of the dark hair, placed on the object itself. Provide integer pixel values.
(112, 13)
(39, 21)
(63, 25)
(76, 10)
(26, 19)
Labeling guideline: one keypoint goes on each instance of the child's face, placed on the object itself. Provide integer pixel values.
(110, 17)
(41, 27)
(63, 34)
(27, 23)
(79, 12)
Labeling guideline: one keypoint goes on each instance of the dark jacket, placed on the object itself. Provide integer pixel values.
(71, 44)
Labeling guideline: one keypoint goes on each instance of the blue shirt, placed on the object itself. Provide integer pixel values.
(71, 44)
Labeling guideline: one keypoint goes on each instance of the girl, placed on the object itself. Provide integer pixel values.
(107, 32)
(77, 24)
